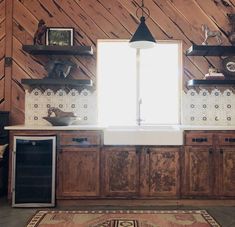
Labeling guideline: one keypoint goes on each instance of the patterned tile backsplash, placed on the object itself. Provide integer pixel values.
(198, 108)
(83, 104)
(208, 108)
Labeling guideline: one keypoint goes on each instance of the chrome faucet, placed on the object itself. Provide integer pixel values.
(139, 120)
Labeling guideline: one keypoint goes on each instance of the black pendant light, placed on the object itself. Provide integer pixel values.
(142, 38)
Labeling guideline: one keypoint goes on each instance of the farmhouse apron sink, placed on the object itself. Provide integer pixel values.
(144, 135)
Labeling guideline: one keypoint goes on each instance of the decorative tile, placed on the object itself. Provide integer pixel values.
(83, 104)
(198, 108)
(204, 108)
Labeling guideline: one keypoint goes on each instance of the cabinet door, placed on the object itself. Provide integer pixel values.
(163, 171)
(120, 171)
(78, 172)
(198, 173)
(227, 171)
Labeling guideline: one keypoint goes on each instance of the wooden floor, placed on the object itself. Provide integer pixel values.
(222, 210)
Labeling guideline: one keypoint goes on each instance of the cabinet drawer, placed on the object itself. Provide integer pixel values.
(199, 138)
(80, 138)
(226, 139)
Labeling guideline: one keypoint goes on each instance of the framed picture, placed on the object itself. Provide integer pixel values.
(59, 36)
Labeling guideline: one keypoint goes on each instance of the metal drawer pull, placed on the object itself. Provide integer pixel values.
(148, 151)
(199, 140)
(79, 140)
(230, 140)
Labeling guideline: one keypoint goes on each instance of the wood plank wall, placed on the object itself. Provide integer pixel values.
(100, 19)
(2, 53)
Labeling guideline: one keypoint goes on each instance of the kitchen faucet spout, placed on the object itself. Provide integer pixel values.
(139, 120)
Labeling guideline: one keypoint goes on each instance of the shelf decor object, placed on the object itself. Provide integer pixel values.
(202, 50)
(228, 65)
(211, 34)
(57, 50)
(59, 36)
(60, 121)
(39, 35)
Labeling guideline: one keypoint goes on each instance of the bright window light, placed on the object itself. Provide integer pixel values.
(126, 76)
(160, 84)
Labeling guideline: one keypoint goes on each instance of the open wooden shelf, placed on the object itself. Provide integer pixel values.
(210, 82)
(56, 82)
(203, 50)
(58, 50)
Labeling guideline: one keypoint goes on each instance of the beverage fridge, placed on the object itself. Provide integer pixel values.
(33, 175)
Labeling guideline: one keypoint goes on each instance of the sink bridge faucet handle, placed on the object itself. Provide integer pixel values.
(139, 120)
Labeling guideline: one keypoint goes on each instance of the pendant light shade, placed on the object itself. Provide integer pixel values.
(142, 38)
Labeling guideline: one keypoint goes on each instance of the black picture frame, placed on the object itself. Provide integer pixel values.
(59, 36)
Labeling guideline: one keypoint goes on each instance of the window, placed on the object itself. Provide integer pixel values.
(138, 84)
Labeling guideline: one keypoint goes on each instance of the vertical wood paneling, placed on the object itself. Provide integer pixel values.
(101, 19)
(8, 54)
(2, 53)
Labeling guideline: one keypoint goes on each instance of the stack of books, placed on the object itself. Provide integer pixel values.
(214, 76)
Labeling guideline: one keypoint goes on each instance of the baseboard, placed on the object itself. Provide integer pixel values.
(147, 203)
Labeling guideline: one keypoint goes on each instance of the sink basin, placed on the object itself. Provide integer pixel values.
(144, 135)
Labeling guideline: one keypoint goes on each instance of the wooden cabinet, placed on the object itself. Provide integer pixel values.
(78, 165)
(198, 165)
(120, 171)
(78, 172)
(227, 171)
(140, 171)
(225, 147)
(209, 164)
(198, 175)
(160, 175)
(203, 168)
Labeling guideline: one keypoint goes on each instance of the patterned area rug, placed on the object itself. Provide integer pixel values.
(122, 218)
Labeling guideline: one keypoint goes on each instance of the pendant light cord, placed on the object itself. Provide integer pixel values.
(144, 11)
(142, 6)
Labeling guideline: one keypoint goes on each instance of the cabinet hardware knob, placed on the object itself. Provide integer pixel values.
(148, 151)
(221, 151)
(230, 140)
(199, 140)
(79, 140)
(210, 151)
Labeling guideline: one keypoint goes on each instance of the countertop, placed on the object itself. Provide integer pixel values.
(54, 128)
(206, 127)
(100, 127)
